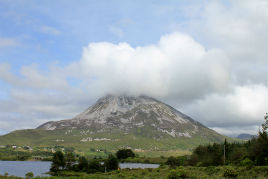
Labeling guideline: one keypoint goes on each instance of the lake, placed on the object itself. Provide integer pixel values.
(20, 168)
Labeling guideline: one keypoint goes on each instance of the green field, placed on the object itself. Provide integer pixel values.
(140, 144)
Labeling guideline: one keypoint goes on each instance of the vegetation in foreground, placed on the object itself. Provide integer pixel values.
(164, 172)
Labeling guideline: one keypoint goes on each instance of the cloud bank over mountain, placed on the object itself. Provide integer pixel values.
(213, 68)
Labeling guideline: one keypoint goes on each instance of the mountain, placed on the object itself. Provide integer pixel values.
(245, 136)
(141, 123)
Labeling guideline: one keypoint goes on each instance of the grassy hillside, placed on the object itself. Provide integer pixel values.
(140, 141)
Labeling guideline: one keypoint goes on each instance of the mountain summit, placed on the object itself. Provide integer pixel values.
(141, 123)
(127, 114)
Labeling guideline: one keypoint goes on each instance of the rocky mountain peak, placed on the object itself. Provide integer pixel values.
(127, 114)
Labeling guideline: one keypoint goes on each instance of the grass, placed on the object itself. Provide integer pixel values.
(145, 146)
(260, 172)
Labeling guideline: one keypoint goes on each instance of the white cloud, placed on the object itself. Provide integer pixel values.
(116, 31)
(242, 109)
(240, 29)
(8, 42)
(219, 82)
(31, 77)
(49, 30)
(176, 66)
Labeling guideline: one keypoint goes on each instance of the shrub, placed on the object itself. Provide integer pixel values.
(172, 161)
(230, 173)
(29, 175)
(70, 160)
(183, 174)
(83, 164)
(124, 153)
(173, 174)
(144, 172)
(94, 166)
(111, 163)
(247, 163)
(121, 175)
(58, 162)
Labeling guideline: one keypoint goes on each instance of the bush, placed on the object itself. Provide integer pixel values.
(70, 160)
(111, 163)
(58, 162)
(121, 175)
(94, 166)
(230, 173)
(172, 161)
(183, 174)
(247, 163)
(124, 153)
(29, 175)
(83, 164)
(173, 174)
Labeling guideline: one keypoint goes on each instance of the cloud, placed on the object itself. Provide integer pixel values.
(240, 29)
(243, 107)
(49, 30)
(177, 68)
(213, 69)
(8, 42)
(174, 67)
(116, 31)
(31, 77)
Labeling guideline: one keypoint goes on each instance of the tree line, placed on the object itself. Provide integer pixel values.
(68, 162)
(252, 152)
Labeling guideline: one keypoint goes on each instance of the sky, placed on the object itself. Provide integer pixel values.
(207, 59)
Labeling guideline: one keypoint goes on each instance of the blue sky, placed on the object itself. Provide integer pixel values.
(54, 48)
(46, 30)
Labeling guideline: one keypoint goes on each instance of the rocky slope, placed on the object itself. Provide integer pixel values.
(141, 123)
(127, 113)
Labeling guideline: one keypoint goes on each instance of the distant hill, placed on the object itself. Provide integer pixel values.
(245, 136)
(141, 123)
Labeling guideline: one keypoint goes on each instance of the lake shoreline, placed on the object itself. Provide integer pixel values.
(41, 168)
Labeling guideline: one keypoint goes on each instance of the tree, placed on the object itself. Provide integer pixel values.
(172, 161)
(124, 153)
(258, 150)
(70, 160)
(83, 164)
(94, 166)
(58, 162)
(111, 163)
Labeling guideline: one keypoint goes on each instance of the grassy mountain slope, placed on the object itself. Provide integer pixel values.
(141, 123)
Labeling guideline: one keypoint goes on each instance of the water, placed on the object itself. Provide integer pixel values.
(20, 168)
(138, 165)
